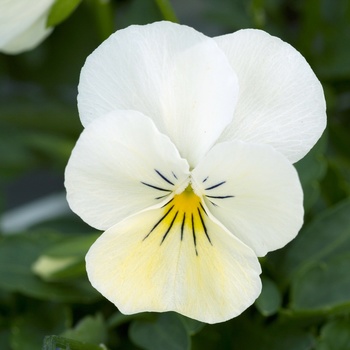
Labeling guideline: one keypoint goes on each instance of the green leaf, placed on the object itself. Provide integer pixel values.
(118, 318)
(167, 332)
(72, 246)
(17, 157)
(335, 335)
(270, 299)
(230, 15)
(5, 339)
(192, 326)
(311, 169)
(90, 330)
(64, 260)
(54, 342)
(60, 10)
(323, 288)
(28, 330)
(323, 29)
(35, 128)
(19, 252)
(326, 237)
(339, 133)
(69, 224)
(51, 147)
(335, 186)
(250, 331)
(286, 337)
(138, 12)
(29, 109)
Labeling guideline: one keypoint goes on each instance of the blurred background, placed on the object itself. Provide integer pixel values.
(305, 302)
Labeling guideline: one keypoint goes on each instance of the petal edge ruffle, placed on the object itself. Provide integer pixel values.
(120, 165)
(254, 191)
(281, 101)
(173, 74)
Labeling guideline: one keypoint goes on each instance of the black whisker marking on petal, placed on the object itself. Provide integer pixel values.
(163, 177)
(169, 228)
(174, 175)
(155, 187)
(167, 203)
(160, 220)
(215, 186)
(205, 179)
(183, 226)
(219, 197)
(162, 196)
(194, 235)
(204, 227)
(203, 208)
(215, 205)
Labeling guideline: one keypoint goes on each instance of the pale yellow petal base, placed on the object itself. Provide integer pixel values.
(175, 259)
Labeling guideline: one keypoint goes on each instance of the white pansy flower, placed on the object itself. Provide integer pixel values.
(23, 24)
(186, 161)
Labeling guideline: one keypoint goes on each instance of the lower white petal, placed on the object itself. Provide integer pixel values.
(120, 165)
(175, 259)
(254, 191)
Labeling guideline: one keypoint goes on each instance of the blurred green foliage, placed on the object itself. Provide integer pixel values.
(305, 303)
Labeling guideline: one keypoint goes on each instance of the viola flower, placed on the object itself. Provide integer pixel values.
(23, 24)
(186, 162)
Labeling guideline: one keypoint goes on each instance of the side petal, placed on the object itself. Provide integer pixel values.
(139, 268)
(171, 73)
(281, 101)
(254, 191)
(120, 165)
(23, 24)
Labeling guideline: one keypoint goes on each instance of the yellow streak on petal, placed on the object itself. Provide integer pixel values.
(142, 264)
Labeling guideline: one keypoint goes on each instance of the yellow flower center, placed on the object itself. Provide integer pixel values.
(184, 213)
(187, 201)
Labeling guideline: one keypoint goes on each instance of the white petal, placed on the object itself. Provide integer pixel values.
(281, 101)
(254, 191)
(139, 270)
(23, 24)
(29, 39)
(171, 73)
(120, 165)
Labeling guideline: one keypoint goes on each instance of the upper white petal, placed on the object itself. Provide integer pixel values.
(281, 101)
(23, 24)
(171, 73)
(254, 191)
(113, 161)
(145, 274)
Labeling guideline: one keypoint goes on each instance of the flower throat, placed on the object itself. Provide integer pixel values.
(182, 214)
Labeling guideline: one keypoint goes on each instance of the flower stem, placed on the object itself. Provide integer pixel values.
(104, 16)
(167, 10)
